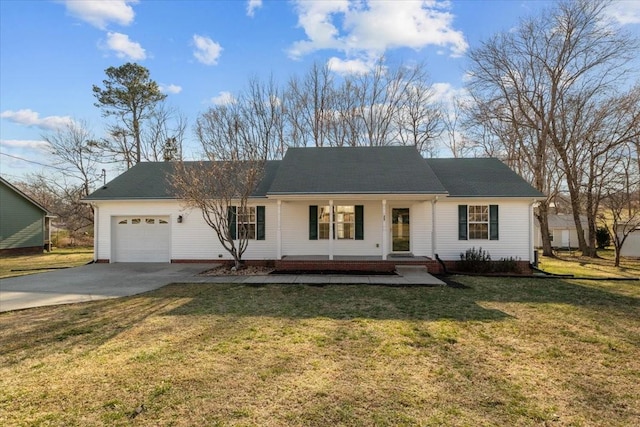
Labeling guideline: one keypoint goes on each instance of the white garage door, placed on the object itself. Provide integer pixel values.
(141, 239)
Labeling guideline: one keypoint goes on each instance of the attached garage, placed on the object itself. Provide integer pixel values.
(141, 239)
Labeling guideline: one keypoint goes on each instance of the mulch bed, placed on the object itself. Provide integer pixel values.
(224, 270)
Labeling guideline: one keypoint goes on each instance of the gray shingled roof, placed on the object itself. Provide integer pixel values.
(354, 170)
(480, 177)
(152, 180)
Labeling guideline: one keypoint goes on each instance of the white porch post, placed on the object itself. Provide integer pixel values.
(384, 229)
(434, 227)
(279, 235)
(331, 230)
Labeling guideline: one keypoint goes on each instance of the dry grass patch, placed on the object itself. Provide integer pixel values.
(502, 352)
(567, 262)
(20, 265)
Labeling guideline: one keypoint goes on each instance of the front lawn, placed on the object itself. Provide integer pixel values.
(571, 262)
(502, 351)
(19, 265)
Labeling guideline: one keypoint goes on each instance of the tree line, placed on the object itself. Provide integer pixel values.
(556, 98)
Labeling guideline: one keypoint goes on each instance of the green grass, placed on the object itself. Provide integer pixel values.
(503, 351)
(573, 263)
(20, 265)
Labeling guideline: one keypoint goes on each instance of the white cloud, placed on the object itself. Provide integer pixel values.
(446, 93)
(207, 51)
(28, 117)
(624, 12)
(171, 88)
(252, 5)
(223, 98)
(371, 27)
(21, 144)
(125, 48)
(350, 66)
(100, 12)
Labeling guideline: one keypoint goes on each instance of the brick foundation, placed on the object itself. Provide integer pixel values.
(340, 265)
(433, 266)
(31, 250)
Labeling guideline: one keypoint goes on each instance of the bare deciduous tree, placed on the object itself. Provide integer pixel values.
(539, 82)
(220, 190)
(419, 118)
(237, 139)
(164, 123)
(621, 200)
(76, 153)
(310, 102)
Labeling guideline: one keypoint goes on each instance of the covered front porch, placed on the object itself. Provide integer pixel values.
(355, 229)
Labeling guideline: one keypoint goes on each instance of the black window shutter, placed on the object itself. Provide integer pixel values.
(313, 222)
(231, 218)
(359, 222)
(462, 222)
(493, 222)
(260, 220)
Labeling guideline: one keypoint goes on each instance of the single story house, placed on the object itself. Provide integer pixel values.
(383, 205)
(631, 246)
(562, 228)
(24, 223)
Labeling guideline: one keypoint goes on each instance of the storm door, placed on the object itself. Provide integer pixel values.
(400, 232)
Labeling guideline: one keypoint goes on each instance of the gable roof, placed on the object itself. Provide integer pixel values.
(23, 195)
(152, 180)
(564, 221)
(344, 170)
(480, 177)
(355, 170)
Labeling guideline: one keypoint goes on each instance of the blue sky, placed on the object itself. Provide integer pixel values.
(52, 52)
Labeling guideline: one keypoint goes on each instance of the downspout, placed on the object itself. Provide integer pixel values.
(96, 231)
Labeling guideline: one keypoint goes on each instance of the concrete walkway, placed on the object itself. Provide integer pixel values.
(407, 275)
(101, 281)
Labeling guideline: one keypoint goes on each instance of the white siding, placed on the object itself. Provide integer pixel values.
(513, 230)
(420, 217)
(192, 239)
(295, 230)
(631, 246)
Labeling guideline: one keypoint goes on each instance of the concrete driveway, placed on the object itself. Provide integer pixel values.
(91, 282)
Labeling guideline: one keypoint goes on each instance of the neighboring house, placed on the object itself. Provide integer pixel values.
(385, 203)
(631, 246)
(24, 223)
(562, 228)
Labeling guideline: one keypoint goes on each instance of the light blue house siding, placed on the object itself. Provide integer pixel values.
(22, 223)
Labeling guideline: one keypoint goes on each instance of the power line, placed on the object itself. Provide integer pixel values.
(34, 162)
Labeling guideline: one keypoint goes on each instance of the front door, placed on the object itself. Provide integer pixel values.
(400, 230)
